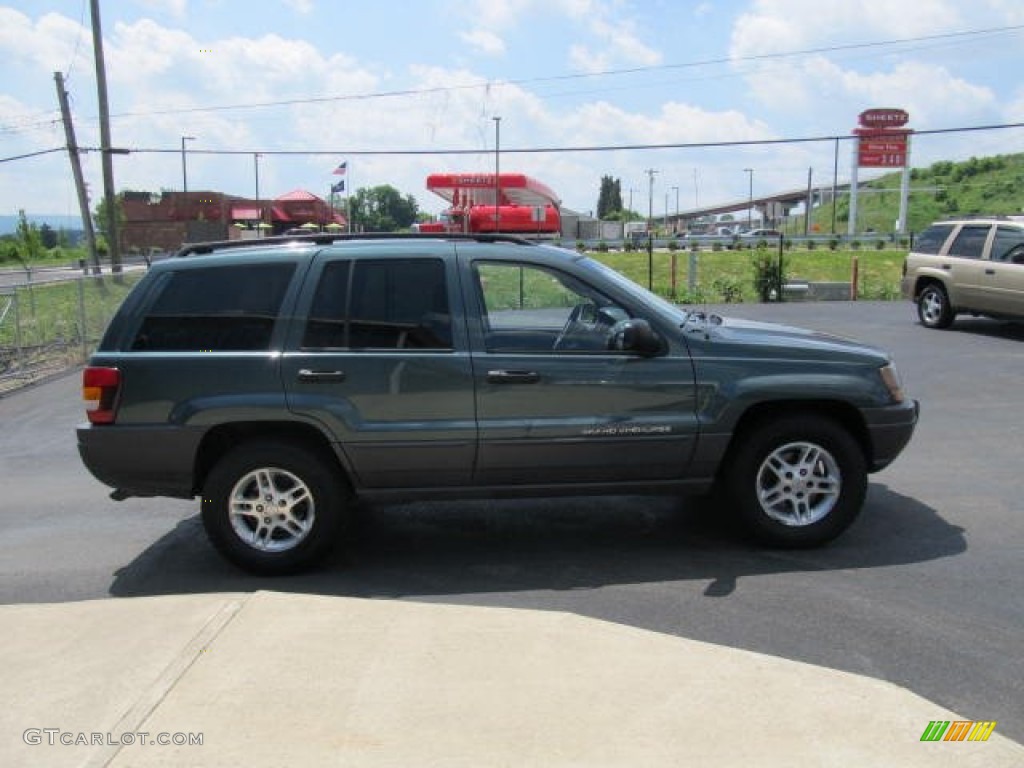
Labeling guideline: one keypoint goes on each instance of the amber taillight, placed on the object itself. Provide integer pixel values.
(99, 391)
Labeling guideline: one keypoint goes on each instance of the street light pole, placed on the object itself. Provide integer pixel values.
(676, 227)
(497, 169)
(259, 208)
(750, 196)
(650, 229)
(184, 169)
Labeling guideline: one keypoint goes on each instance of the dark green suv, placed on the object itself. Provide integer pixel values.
(280, 380)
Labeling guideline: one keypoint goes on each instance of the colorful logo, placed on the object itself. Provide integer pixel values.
(958, 730)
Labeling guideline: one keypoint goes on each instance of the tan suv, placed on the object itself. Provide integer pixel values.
(971, 265)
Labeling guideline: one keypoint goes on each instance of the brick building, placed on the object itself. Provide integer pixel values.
(165, 221)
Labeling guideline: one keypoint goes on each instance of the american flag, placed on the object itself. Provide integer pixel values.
(340, 170)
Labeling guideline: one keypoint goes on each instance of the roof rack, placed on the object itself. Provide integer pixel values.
(323, 238)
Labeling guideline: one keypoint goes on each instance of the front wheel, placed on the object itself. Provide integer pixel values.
(933, 307)
(273, 507)
(798, 481)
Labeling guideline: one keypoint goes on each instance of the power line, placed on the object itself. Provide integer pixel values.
(31, 154)
(574, 76)
(548, 150)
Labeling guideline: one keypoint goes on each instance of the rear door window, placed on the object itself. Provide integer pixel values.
(380, 304)
(970, 241)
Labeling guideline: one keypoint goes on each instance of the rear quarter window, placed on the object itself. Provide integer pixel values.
(932, 239)
(215, 309)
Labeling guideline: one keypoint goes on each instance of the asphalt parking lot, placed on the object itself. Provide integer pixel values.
(926, 590)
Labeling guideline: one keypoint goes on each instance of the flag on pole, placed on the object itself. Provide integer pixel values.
(339, 187)
(340, 170)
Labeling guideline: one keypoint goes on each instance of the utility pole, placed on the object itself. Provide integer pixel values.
(497, 169)
(650, 228)
(108, 164)
(810, 202)
(76, 170)
(750, 196)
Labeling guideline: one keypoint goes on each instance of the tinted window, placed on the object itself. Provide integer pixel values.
(327, 317)
(382, 304)
(931, 240)
(970, 241)
(1008, 245)
(217, 308)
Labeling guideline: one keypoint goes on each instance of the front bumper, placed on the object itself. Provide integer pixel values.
(889, 430)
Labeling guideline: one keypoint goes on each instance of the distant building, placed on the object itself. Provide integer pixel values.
(165, 221)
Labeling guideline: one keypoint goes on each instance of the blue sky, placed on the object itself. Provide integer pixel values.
(432, 75)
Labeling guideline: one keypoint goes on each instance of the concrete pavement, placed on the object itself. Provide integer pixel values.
(272, 679)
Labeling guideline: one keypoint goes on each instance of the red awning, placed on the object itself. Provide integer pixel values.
(245, 214)
(278, 214)
(479, 189)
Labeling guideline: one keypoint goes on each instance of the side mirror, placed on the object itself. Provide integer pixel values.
(635, 335)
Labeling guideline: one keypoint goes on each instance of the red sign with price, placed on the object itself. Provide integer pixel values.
(888, 152)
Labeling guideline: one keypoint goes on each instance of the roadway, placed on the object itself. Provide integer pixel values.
(925, 590)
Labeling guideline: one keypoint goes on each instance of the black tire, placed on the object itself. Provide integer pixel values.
(933, 307)
(798, 481)
(274, 507)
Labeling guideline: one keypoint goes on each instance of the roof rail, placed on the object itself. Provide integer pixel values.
(323, 238)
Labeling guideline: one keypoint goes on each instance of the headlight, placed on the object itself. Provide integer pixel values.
(892, 382)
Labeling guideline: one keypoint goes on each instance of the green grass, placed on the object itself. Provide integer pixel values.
(980, 186)
(61, 314)
(728, 276)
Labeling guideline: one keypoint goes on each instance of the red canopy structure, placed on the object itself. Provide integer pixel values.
(524, 204)
(461, 189)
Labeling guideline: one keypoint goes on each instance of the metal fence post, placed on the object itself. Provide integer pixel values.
(83, 329)
(17, 327)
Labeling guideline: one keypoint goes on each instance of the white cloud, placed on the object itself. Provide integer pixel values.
(785, 25)
(484, 41)
(583, 59)
(305, 7)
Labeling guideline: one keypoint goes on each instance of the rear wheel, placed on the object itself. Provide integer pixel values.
(798, 481)
(933, 307)
(274, 507)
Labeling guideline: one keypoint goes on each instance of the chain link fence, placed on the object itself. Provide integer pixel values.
(48, 327)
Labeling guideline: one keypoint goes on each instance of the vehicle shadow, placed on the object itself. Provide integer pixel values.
(465, 548)
(983, 326)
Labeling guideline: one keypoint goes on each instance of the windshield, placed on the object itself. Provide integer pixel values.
(667, 308)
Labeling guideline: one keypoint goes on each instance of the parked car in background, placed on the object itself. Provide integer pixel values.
(760, 233)
(970, 265)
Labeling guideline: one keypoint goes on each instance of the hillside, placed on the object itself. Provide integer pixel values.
(979, 186)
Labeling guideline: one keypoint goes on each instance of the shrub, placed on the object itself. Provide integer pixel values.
(729, 288)
(833, 244)
(768, 277)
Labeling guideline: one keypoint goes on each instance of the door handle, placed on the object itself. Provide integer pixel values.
(990, 271)
(307, 374)
(513, 377)
(947, 267)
